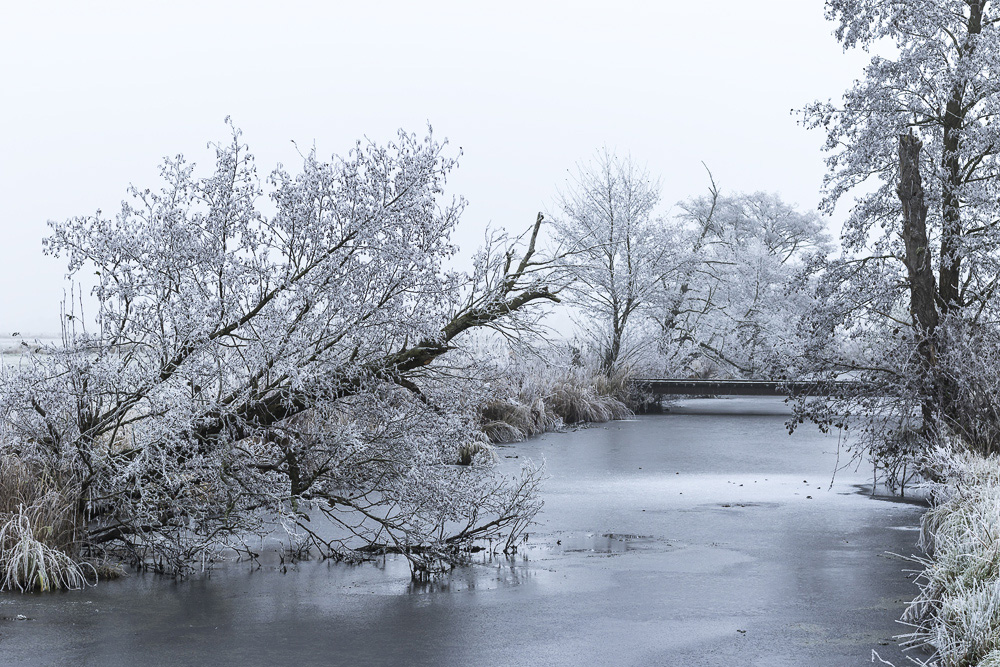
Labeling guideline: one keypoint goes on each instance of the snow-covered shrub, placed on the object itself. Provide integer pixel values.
(968, 374)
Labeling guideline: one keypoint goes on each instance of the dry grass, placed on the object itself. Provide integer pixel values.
(547, 398)
(27, 562)
(577, 402)
(39, 531)
(475, 449)
(517, 418)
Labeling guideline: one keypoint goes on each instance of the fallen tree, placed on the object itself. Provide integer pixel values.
(247, 368)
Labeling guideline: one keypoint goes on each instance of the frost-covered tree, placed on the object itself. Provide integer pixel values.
(618, 250)
(743, 286)
(916, 140)
(248, 367)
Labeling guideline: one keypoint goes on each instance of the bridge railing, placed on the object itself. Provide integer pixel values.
(688, 387)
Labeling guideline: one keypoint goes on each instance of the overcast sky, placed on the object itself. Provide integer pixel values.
(96, 93)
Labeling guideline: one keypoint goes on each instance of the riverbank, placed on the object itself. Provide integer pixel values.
(694, 538)
(956, 615)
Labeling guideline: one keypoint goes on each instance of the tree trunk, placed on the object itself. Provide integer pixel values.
(953, 126)
(951, 220)
(613, 350)
(923, 309)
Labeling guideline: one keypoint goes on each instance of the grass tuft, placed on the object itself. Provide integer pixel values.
(27, 563)
(475, 450)
(39, 531)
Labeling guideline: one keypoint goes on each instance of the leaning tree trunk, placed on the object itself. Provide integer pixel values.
(923, 309)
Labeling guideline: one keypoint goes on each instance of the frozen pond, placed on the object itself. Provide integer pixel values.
(707, 536)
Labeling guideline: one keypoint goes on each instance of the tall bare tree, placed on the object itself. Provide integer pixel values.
(618, 249)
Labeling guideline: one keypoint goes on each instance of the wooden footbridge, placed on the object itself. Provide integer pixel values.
(684, 387)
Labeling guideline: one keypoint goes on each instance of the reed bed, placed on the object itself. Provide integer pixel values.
(547, 399)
